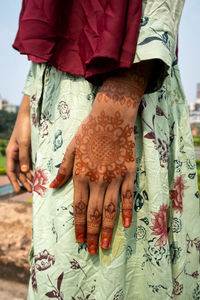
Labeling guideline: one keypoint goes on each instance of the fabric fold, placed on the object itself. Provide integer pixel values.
(85, 38)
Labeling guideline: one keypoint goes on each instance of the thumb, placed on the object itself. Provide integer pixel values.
(66, 167)
(24, 157)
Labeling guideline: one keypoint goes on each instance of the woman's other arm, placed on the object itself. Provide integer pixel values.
(18, 151)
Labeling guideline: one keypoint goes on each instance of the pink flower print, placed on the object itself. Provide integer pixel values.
(34, 118)
(40, 179)
(177, 194)
(195, 274)
(64, 110)
(177, 288)
(33, 98)
(44, 260)
(159, 227)
(44, 128)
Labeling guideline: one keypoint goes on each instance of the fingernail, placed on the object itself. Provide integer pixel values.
(93, 249)
(24, 168)
(105, 243)
(53, 184)
(81, 238)
(126, 222)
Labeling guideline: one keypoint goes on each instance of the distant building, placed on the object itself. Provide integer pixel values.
(11, 108)
(5, 105)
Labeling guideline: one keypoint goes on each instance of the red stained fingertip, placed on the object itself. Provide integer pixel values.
(81, 238)
(53, 184)
(93, 249)
(126, 222)
(105, 243)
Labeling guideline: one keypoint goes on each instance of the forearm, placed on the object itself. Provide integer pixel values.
(24, 108)
(23, 113)
(123, 91)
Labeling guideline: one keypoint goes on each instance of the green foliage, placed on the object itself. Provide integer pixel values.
(198, 164)
(7, 122)
(2, 171)
(3, 144)
(2, 161)
(196, 141)
(198, 173)
(3, 151)
(199, 185)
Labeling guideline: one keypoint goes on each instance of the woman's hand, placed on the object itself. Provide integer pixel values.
(18, 155)
(102, 157)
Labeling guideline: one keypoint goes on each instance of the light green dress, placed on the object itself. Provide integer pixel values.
(158, 257)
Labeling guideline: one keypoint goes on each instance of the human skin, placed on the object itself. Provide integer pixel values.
(18, 151)
(101, 157)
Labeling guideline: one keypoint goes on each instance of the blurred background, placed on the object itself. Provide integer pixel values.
(15, 210)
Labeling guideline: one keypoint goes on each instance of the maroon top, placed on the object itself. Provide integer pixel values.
(81, 37)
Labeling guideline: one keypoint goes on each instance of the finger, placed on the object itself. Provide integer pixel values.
(66, 167)
(13, 179)
(81, 192)
(94, 214)
(127, 199)
(24, 157)
(109, 213)
(29, 176)
(24, 182)
(11, 172)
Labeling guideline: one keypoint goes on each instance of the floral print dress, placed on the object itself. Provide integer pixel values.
(158, 257)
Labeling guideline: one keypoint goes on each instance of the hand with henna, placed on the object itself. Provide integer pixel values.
(102, 158)
(18, 151)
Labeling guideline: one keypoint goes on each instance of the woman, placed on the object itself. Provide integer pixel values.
(148, 248)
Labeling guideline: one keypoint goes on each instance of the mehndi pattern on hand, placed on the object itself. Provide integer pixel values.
(104, 147)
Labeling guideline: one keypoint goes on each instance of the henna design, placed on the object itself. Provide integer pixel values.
(118, 94)
(127, 204)
(95, 217)
(80, 208)
(110, 211)
(104, 147)
(125, 87)
(127, 199)
(128, 195)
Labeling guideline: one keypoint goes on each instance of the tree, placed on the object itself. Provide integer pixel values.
(7, 122)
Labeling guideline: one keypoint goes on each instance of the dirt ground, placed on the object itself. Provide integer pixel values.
(10, 290)
(15, 233)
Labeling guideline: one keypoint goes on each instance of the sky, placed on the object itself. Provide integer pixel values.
(14, 67)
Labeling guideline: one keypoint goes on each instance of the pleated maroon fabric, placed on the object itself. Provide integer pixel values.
(81, 37)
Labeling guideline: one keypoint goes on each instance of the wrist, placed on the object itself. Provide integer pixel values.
(125, 106)
(24, 108)
(123, 90)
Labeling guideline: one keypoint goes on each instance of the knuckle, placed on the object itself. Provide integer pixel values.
(92, 236)
(107, 230)
(23, 143)
(101, 182)
(9, 150)
(131, 172)
(23, 158)
(94, 218)
(110, 212)
(79, 178)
